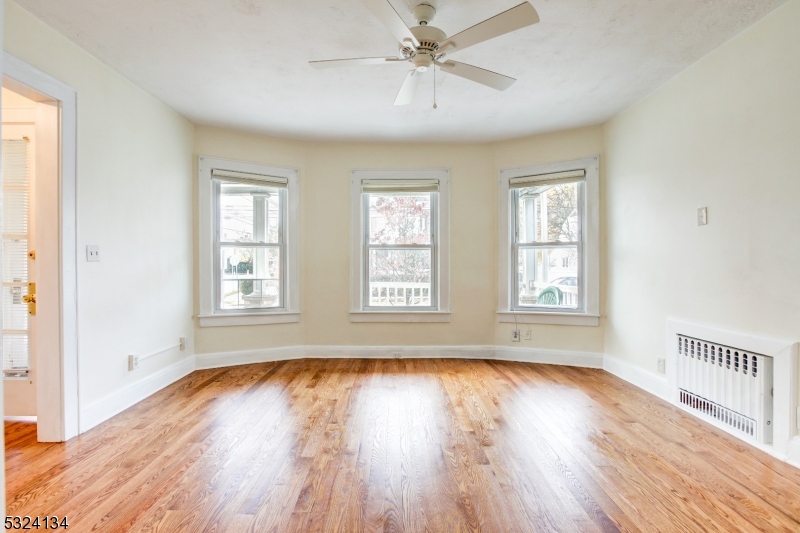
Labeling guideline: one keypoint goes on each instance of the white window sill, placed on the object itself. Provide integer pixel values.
(544, 317)
(248, 319)
(402, 316)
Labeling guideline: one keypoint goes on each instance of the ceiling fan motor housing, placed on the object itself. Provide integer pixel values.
(429, 38)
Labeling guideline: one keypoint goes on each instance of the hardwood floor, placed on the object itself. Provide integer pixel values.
(401, 445)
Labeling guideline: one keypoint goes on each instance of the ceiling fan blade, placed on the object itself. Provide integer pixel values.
(383, 11)
(408, 89)
(506, 22)
(331, 63)
(479, 75)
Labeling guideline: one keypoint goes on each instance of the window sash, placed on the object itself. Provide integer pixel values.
(517, 306)
(579, 243)
(514, 193)
(219, 245)
(367, 247)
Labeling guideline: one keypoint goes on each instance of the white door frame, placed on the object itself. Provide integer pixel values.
(60, 421)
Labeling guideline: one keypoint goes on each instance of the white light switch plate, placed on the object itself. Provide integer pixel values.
(702, 216)
(93, 253)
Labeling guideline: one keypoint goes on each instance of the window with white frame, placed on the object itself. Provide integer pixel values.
(249, 244)
(401, 257)
(548, 241)
(550, 253)
(248, 248)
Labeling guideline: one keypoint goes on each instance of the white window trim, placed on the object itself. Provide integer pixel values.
(208, 316)
(590, 315)
(357, 313)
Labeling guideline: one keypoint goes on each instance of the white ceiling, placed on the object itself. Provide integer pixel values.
(243, 64)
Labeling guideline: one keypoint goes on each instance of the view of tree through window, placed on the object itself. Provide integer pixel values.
(548, 222)
(399, 250)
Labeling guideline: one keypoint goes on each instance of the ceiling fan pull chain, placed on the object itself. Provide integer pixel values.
(434, 87)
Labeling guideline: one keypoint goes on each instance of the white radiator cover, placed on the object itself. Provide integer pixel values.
(689, 395)
(730, 385)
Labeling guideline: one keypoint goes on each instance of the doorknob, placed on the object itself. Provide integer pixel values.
(30, 298)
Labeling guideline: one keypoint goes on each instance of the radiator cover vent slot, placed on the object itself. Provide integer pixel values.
(723, 414)
(729, 385)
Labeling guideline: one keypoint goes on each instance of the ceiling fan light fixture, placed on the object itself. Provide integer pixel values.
(422, 61)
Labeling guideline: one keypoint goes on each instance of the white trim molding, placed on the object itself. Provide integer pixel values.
(441, 238)
(394, 316)
(560, 319)
(589, 312)
(499, 353)
(247, 319)
(209, 316)
(637, 376)
(57, 394)
(101, 410)
(784, 354)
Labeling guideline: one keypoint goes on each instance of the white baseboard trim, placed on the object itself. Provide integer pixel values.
(549, 357)
(636, 375)
(794, 451)
(501, 353)
(19, 419)
(247, 357)
(116, 402)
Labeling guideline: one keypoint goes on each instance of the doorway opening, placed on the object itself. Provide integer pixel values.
(39, 282)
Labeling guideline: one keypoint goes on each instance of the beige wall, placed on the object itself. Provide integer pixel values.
(325, 239)
(724, 134)
(134, 200)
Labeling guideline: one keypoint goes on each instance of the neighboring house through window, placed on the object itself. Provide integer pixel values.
(549, 238)
(248, 243)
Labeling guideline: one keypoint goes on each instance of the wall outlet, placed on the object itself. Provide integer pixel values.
(527, 334)
(702, 216)
(133, 362)
(515, 336)
(183, 343)
(662, 366)
(93, 253)
(397, 355)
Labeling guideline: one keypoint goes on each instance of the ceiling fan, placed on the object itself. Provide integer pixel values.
(424, 46)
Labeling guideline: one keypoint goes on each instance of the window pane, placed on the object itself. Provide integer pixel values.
(548, 277)
(549, 213)
(248, 213)
(15, 351)
(400, 278)
(250, 278)
(400, 218)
